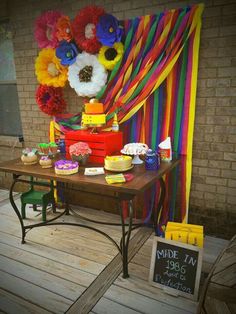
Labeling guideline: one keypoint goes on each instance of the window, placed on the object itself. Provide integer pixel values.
(10, 121)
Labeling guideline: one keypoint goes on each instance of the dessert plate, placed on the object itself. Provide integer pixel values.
(119, 170)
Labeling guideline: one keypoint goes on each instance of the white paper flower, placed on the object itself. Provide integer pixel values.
(87, 76)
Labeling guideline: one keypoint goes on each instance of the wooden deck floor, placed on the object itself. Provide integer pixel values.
(59, 264)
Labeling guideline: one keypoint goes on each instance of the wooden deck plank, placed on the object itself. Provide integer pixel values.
(32, 216)
(43, 279)
(12, 304)
(34, 294)
(47, 266)
(66, 257)
(140, 302)
(64, 245)
(212, 248)
(90, 297)
(144, 288)
(50, 237)
(4, 196)
(50, 254)
(105, 306)
(71, 233)
(139, 270)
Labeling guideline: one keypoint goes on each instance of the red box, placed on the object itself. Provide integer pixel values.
(101, 144)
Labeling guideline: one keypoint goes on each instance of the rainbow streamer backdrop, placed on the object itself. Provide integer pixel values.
(153, 89)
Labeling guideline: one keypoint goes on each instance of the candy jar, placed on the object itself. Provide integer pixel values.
(152, 160)
(62, 146)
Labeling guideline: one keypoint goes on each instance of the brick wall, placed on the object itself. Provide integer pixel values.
(213, 190)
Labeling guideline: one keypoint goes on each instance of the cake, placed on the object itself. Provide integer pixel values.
(93, 108)
(29, 156)
(135, 149)
(118, 163)
(45, 162)
(66, 167)
(93, 119)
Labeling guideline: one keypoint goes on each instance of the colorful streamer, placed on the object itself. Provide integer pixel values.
(154, 89)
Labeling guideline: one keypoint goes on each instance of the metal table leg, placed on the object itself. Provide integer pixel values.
(124, 242)
(13, 204)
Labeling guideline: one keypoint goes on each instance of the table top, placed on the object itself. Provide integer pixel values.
(143, 179)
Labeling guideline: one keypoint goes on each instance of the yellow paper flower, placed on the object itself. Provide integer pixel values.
(109, 56)
(49, 70)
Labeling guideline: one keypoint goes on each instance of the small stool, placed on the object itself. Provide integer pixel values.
(34, 197)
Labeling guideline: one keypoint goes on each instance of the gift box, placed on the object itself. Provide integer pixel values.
(185, 233)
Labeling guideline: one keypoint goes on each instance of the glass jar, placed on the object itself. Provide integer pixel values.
(152, 160)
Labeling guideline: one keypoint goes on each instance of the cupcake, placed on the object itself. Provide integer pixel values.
(44, 148)
(45, 162)
(53, 147)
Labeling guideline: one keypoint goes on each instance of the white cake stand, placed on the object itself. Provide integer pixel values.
(136, 160)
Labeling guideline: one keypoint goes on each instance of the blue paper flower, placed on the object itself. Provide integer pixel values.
(108, 30)
(67, 52)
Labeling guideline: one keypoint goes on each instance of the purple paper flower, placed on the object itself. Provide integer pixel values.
(67, 52)
(108, 30)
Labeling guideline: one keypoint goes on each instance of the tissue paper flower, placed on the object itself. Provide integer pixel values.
(67, 52)
(64, 30)
(87, 76)
(48, 69)
(108, 30)
(79, 148)
(84, 28)
(109, 56)
(50, 100)
(45, 29)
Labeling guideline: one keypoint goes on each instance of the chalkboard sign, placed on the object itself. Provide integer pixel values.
(176, 267)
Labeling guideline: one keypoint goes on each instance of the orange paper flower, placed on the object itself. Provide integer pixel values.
(64, 30)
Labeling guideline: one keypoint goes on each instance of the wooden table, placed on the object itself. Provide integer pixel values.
(127, 191)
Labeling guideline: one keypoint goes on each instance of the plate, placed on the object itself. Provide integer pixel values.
(118, 170)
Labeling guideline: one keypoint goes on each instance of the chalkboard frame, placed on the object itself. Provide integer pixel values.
(168, 289)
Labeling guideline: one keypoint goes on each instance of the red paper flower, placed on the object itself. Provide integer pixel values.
(84, 28)
(50, 100)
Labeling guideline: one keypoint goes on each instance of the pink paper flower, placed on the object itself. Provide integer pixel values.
(79, 148)
(46, 30)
